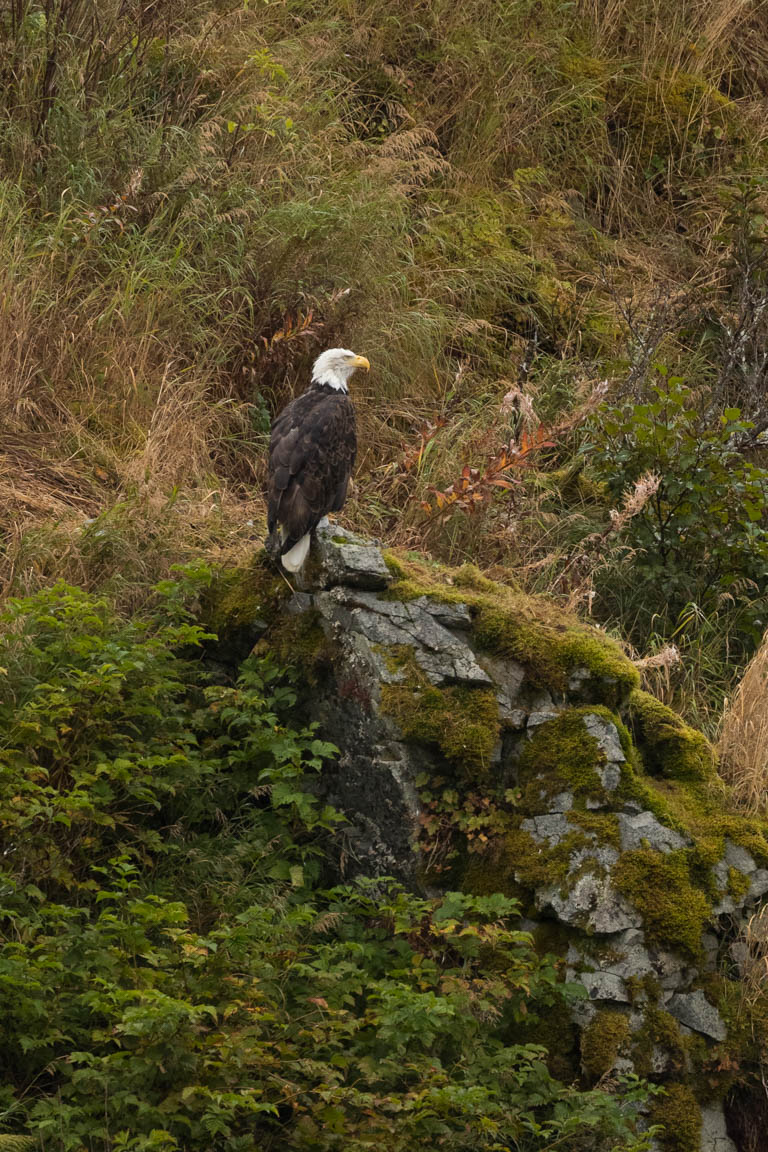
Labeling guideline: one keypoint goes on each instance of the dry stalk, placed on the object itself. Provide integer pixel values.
(596, 551)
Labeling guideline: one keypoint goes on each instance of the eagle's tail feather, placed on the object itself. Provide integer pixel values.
(294, 559)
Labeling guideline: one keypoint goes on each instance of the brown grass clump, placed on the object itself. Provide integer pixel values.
(754, 957)
(743, 743)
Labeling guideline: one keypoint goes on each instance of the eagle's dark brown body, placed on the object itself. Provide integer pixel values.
(312, 452)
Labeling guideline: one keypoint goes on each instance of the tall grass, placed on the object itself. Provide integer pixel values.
(743, 742)
(196, 198)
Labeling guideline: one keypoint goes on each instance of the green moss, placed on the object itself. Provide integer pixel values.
(680, 1115)
(532, 630)
(670, 747)
(603, 826)
(738, 884)
(462, 722)
(398, 658)
(550, 652)
(394, 565)
(603, 1039)
(243, 596)
(674, 911)
(562, 755)
(660, 1030)
(299, 641)
(537, 864)
(703, 813)
(517, 864)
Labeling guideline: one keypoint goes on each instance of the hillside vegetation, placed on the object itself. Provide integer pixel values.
(542, 222)
(176, 971)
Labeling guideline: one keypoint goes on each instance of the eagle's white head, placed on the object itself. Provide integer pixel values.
(335, 366)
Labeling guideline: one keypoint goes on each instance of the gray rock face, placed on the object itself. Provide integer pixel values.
(402, 626)
(587, 899)
(737, 859)
(625, 956)
(607, 738)
(645, 831)
(714, 1135)
(348, 559)
(551, 828)
(537, 718)
(695, 1011)
(758, 884)
(605, 986)
(508, 677)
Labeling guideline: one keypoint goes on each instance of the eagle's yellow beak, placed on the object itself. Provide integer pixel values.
(361, 362)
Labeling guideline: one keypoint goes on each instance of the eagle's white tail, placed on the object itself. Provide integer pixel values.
(294, 559)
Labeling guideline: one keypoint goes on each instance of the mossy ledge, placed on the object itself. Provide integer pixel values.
(247, 597)
(462, 722)
(563, 755)
(674, 912)
(671, 747)
(532, 630)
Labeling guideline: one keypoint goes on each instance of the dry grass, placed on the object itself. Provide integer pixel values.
(753, 957)
(743, 743)
(445, 192)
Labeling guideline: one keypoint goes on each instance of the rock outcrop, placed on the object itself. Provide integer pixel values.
(491, 744)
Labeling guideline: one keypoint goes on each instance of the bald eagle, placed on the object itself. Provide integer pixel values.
(312, 451)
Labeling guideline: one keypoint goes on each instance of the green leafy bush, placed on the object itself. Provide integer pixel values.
(171, 975)
(701, 538)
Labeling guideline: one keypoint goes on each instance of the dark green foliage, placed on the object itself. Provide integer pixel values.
(701, 537)
(171, 976)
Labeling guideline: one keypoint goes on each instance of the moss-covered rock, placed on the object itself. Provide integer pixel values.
(674, 911)
(602, 1041)
(680, 1116)
(659, 1038)
(555, 816)
(463, 722)
(247, 596)
(670, 747)
(563, 756)
(531, 630)
(299, 642)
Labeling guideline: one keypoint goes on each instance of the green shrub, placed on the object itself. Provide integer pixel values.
(172, 977)
(701, 538)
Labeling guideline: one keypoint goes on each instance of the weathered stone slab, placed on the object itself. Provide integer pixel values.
(695, 1011)
(349, 559)
(586, 898)
(645, 830)
(714, 1134)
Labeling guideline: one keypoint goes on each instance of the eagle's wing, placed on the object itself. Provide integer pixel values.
(311, 454)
